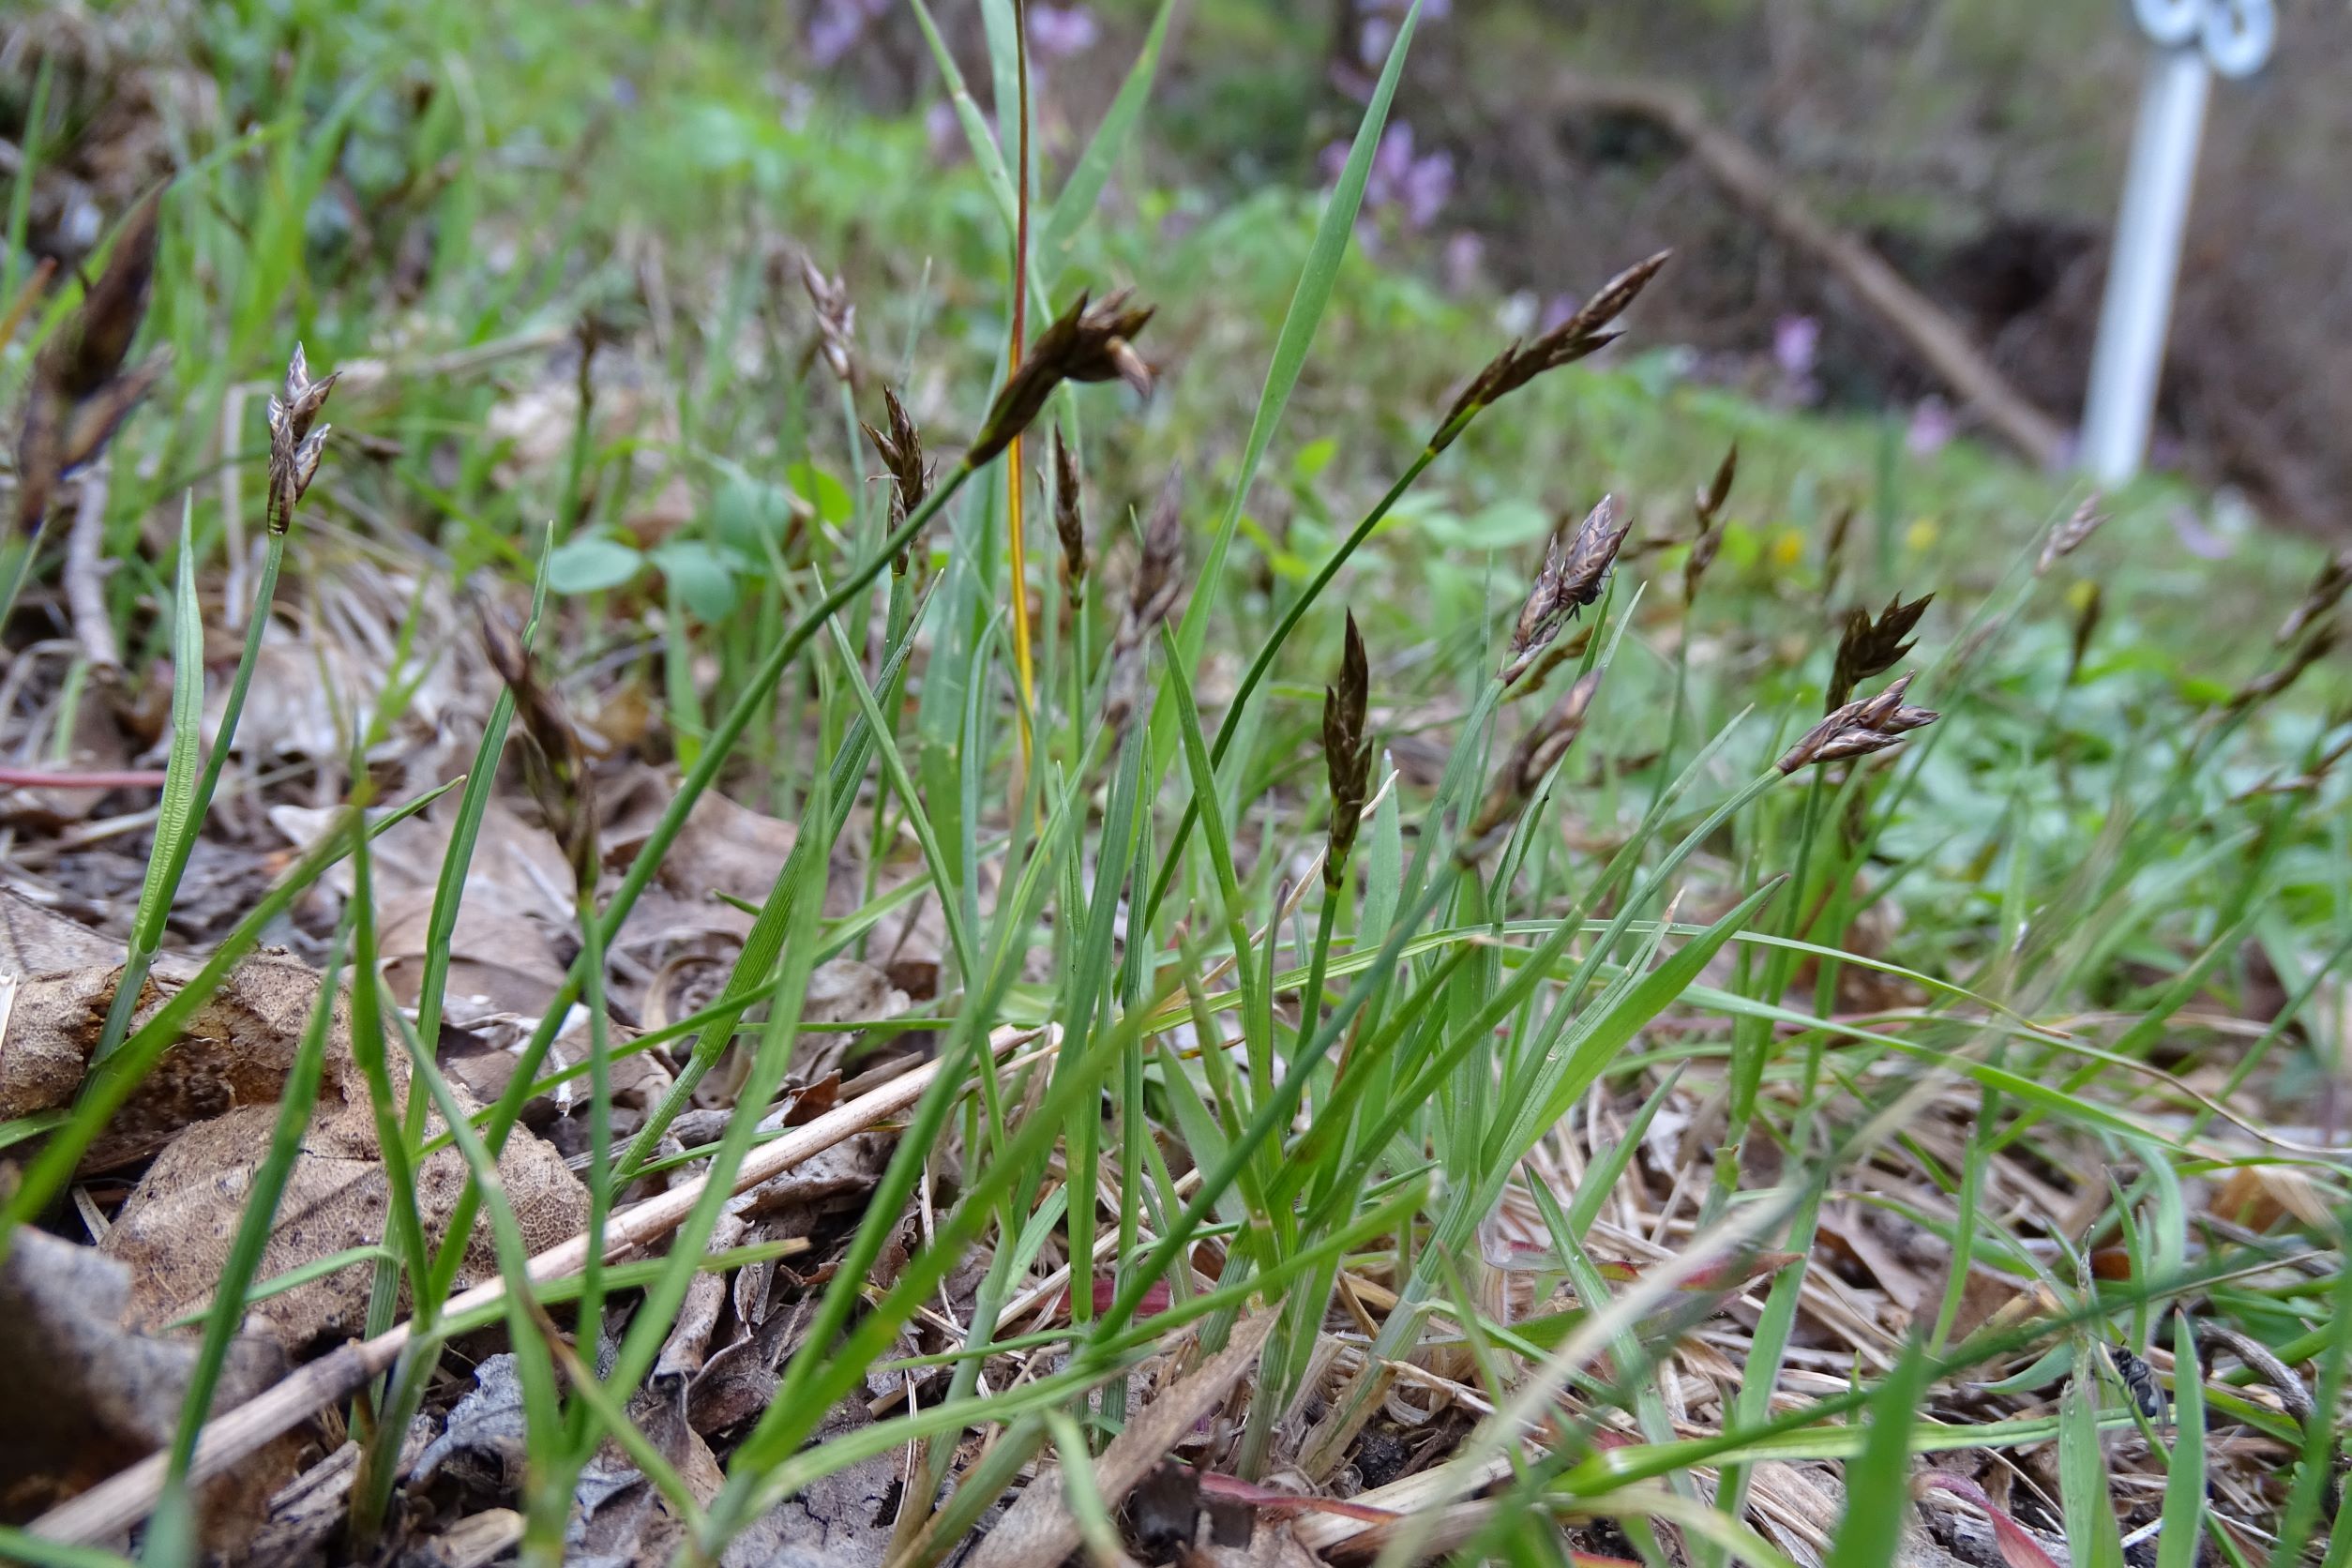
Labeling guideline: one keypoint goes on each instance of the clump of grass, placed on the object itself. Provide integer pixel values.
(1419, 1139)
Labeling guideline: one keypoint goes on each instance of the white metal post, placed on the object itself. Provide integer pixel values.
(2136, 314)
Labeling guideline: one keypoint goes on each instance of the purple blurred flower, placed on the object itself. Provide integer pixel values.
(1465, 258)
(1058, 32)
(1796, 342)
(2197, 539)
(1417, 187)
(943, 132)
(837, 28)
(1933, 426)
(1372, 43)
(624, 93)
(1557, 310)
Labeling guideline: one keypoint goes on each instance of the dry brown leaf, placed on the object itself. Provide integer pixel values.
(34, 940)
(1039, 1527)
(842, 1520)
(86, 1394)
(235, 1050)
(176, 1226)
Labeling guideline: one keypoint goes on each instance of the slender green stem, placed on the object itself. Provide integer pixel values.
(1272, 645)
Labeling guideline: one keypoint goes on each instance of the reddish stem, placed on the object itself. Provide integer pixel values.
(58, 779)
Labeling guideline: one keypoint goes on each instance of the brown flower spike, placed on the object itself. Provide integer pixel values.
(1570, 578)
(2070, 536)
(1580, 335)
(1870, 648)
(2325, 593)
(555, 764)
(1347, 753)
(295, 445)
(1158, 579)
(1859, 728)
(836, 321)
(901, 452)
(1088, 343)
(1538, 751)
(1707, 510)
(1069, 518)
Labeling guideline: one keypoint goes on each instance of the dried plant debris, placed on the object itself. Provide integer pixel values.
(79, 392)
(88, 1391)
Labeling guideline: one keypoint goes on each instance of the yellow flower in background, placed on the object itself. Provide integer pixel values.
(2079, 594)
(1789, 546)
(1921, 535)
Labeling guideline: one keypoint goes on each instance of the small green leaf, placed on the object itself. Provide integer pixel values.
(702, 575)
(591, 565)
(749, 512)
(822, 491)
(1313, 458)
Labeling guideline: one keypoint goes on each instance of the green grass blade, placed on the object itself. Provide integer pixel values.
(1084, 188)
(2184, 1483)
(1872, 1530)
(1298, 325)
(2092, 1538)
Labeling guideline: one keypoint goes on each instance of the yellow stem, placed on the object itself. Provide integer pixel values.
(1017, 534)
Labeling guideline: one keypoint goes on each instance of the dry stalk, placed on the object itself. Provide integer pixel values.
(85, 580)
(1707, 510)
(295, 445)
(2327, 589)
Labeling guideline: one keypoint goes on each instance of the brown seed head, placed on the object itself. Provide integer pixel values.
(1069, 516)
(1158, 579)
(1870, 648)
(2326, 591)
(2068, 536)
(1347, 753)
(295, 444)
(1537, 752)
(2310, 651)
(1833, 550)
(1708, 501)
(555, 764)
(902, 453)
(1086, 342)
(1859, 728)
(1570, 578)
(1583, 333)
(836, 321)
